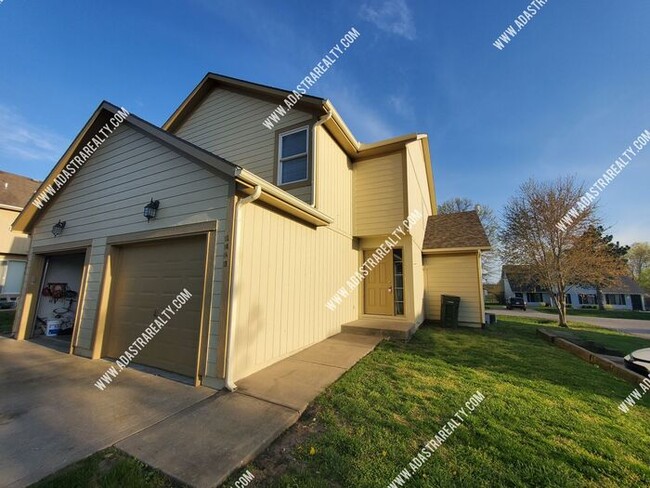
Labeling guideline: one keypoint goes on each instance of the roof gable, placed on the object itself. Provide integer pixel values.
(97, 121)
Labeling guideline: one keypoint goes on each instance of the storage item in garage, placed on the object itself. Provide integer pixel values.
(52, 327)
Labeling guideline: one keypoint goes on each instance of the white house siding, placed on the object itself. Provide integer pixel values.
(288, 272)
(106, 198)
(458, 275)
(229, 124)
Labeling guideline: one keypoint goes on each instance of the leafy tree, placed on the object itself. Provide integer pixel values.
(638, 258)
(644, 280)
(603, 244)
(555, 256)
(489, 259)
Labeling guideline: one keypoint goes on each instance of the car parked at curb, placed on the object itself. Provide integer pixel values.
(639, 361)
(516, 303)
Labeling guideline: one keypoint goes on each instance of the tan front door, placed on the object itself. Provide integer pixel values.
(147, 278)
(378, 287)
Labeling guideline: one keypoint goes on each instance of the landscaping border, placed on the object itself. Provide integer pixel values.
(590, 357)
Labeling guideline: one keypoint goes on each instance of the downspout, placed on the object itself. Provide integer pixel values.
(234, 292)
(320, 122)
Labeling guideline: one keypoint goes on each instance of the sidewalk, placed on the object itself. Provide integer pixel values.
(201, 446)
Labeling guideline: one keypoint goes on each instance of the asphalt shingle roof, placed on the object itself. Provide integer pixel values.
(456, 230)
(16, 190)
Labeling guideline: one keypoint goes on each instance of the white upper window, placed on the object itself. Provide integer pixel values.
(293, 157)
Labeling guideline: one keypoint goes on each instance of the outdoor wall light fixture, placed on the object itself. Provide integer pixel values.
(150, 209)
(57, 228)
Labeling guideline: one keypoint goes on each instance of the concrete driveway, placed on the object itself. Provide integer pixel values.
(639, 328)
(52, 415)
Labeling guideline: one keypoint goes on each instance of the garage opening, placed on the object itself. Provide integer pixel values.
(54, 322)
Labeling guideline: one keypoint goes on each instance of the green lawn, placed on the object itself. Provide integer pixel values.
(548, 419)
(597, 339)
(611, 314)
(108, 469)
(6, 321)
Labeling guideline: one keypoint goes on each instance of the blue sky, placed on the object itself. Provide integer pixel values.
(566, 96)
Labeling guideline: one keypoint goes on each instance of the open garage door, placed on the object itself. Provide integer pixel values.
(148, 277)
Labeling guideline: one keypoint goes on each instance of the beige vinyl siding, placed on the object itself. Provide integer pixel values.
(417, 272)
(107, 197)
(11, 242)
(378, 195)
(453, 274)
(229, 124)
(417, 189)
(333, 181)
(288, 272)
(418, 198)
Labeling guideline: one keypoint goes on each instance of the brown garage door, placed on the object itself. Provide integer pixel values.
(148, 277)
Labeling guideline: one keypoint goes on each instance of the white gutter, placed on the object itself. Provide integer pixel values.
(234, 291)
(320, 122)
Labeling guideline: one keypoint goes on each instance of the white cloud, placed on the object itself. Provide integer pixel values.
(366, 123)
(402, 107)
(392, 16)
(22, 141)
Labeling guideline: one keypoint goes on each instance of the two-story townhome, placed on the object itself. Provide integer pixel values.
(15, 192)
(283, 236)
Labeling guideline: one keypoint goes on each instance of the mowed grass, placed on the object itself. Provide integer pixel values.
(110, 468)
(548, 418)
(607, 314)
(6, 321)
(599, 340)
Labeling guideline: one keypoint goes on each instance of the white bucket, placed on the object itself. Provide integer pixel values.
(52, 327)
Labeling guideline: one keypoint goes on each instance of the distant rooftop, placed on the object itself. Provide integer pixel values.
(16, 190)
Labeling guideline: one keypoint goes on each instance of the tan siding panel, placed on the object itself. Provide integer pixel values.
(334, 181)
(288, 272)
(453, 275)
(378, 195)
(229, 124)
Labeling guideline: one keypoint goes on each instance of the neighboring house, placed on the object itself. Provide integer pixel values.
(261, 226)
(15, 192)
(625, 295)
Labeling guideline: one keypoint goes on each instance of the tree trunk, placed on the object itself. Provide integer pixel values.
(599, 298)
(560, 298)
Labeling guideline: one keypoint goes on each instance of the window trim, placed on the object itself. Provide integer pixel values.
(278, 160)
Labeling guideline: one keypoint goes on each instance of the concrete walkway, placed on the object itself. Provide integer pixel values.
(203, 445)
(639, 328)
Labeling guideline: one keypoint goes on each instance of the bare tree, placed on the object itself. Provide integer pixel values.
(556, 256)
(638, 258)
(489, 259)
